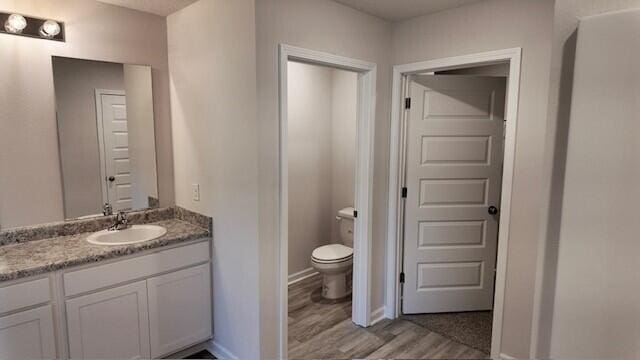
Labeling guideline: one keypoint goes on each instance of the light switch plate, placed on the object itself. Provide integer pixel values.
(195, 192)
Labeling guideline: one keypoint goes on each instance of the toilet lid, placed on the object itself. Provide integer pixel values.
(332, 253)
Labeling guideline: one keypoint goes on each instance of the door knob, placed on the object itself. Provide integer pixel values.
(492, 210)
(112, 178)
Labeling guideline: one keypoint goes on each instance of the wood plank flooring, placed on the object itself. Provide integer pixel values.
(322, 329)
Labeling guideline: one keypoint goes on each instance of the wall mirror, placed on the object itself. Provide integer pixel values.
(106, 136)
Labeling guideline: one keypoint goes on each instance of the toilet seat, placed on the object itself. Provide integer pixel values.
(331, 254)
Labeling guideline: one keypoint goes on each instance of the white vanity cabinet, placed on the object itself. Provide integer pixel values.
(110, 324)
(142, 307)
(179, 309)
(147, 305)
(26, 321)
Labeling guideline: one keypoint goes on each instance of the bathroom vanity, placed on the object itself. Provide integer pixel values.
(90, 138)
(63, 297)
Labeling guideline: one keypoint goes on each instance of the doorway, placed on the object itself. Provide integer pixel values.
(365, 109)
(452, 152)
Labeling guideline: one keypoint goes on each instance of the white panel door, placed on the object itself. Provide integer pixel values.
(28, 335)
(116, 151)
(110, 324)
(453, 176)
(179, 309)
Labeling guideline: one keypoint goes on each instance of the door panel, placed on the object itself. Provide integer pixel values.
(179, 309)
(450, 233)
(116, 151)
(450, 275)
(453, 174)
(455, 149)
(457, 104)
(447, 192)
(110, 324)
(28, 335)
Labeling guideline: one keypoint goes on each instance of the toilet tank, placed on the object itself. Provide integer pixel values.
(345, 225)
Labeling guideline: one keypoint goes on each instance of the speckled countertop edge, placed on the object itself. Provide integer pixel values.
(70, 227)
(34, 257)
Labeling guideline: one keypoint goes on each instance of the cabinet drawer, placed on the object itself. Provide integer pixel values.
(97, 277)
(22, 295)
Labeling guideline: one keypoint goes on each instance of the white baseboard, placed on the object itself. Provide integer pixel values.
(388, 312)
(378, 315)
(220, 351)
(504, 356)
(301, 275)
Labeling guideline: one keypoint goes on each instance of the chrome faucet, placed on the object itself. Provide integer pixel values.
(107, 209)
(121, 221)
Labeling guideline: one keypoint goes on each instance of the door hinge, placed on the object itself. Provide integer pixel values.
(402, 277)
(407, 103)
(404, 192)
(355, 213)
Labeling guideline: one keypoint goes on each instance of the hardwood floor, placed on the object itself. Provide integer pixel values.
(322, 329)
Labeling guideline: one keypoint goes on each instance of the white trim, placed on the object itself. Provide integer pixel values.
(301, 275)
(101, 146)
(364, 179)
(377, 315)
(507, 357)
(220, 351)
(513, 56)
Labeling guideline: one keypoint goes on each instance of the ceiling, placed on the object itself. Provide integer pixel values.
(392, 10)
(395, 10)
(158, 7)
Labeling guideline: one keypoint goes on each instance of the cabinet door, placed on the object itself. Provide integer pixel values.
(111, 324)
(179, 309)
(28, 335)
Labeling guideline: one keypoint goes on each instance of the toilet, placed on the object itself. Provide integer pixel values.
(335, 261)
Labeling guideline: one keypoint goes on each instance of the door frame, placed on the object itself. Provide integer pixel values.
(101, 149)
(361, 307)
(396, 174)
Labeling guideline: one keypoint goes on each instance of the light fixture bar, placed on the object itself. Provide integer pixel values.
(22, 25)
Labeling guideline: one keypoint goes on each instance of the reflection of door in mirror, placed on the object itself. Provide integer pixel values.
(113, 139)
(106, 139)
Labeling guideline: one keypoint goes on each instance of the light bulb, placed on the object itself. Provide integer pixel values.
(15, 24)
(49, 29)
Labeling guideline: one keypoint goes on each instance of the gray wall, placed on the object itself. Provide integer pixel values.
(493, 25)
(597, 270)
(344, 120)
(561, 214)
(75, 83)
(213, 104)
(31, 187)
(322, 146)
(142, 144)
(309, 101)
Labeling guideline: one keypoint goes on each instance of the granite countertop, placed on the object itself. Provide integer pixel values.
(23, 259)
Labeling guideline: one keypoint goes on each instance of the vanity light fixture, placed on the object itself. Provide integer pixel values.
(49, 29)
(16, 24)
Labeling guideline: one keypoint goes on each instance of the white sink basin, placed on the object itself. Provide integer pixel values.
(131, 235)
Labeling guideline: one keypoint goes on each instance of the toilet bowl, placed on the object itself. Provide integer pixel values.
(335, 261)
